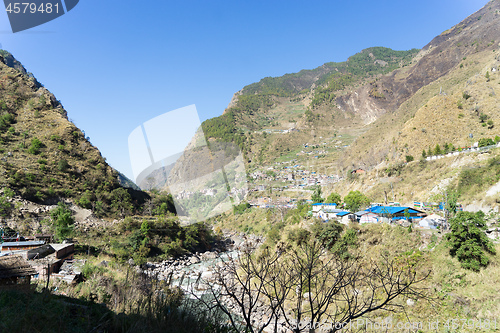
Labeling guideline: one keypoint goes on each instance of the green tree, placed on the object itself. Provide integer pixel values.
(163, 204)
(424, 154)
(407, 214)
(316, 197)
(145, 227)
(62, 220)
(5, 206)
(334, 198)
(121, 201)
(355, 200)
(468, 240)
(429, 152)
(329, 234)
(86, 199)
(409, 158)
(437, 150)
(483, 117)
(483, 142)
(451, 203)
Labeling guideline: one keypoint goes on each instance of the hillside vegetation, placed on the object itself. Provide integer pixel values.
(45, 156)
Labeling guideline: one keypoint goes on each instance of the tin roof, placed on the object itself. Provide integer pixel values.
(324, 204)
(29, 243)
(392, 210)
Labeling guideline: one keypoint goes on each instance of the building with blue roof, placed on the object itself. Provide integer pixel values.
(378, 214)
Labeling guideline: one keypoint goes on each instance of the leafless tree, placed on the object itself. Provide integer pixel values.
(148, 207)
(242, 287)
(301, 287)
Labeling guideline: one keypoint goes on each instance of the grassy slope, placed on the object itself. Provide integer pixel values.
(65, 164)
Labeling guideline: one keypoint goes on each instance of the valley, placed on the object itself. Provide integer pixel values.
(364, 191)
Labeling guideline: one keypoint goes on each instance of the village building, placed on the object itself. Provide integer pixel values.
(319, 206)
(49, 258)
(20, 246)
(333, 214)
(15, 270)
(389, 214)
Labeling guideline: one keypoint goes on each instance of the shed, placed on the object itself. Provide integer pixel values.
(15, 270)
(369, 218)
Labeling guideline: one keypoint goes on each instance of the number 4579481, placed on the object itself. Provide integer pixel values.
(32, 8)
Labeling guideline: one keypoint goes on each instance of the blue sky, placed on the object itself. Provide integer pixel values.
(116, 64)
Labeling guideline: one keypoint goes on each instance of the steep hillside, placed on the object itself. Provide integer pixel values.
(452, 63)
(44, 155)
(389, 103)
(301, 105)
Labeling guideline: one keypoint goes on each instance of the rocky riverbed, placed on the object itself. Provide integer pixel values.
(186, 270)
(193, 273)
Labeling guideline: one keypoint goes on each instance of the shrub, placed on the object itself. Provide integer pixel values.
(35, 146)
(5, 206)
(62, 165)
(7, 192)
(241, 208)
(483, 117)
(468, 240)
(483, 142)
(86, 199)
(62, 220)
(5, 121)
(409, 158)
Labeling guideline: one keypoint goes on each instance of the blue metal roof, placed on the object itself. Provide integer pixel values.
(324, 204)
(343, 213)
(391, 210)
(22, 243)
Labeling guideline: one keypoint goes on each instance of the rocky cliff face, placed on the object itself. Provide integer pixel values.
(477, 33)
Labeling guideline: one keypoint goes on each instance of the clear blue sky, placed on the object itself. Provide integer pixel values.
(116, 64)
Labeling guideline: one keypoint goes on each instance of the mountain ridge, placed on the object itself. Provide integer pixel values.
(386, 117)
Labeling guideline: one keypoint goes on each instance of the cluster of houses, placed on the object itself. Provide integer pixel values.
(293, 176)
(22, 259)
(211, 192)
(379, 214)
(267, 202)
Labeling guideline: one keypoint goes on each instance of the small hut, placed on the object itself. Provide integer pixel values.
(15, 270)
